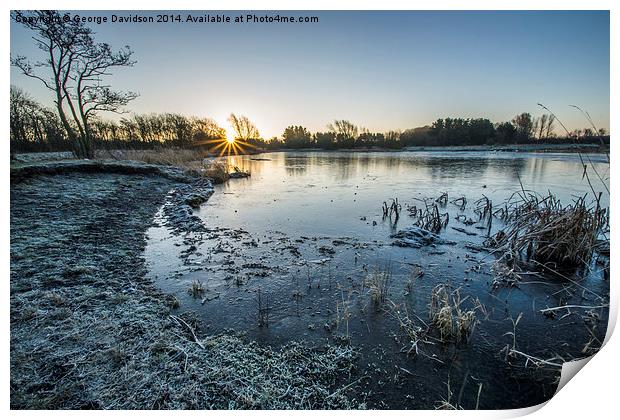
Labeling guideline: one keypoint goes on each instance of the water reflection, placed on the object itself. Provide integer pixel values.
(329, 192)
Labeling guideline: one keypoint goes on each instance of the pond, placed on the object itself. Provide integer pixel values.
(301, 251)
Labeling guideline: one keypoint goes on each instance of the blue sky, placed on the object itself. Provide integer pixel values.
(381, 70)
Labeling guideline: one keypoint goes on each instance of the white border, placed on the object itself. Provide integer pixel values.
(592, 394)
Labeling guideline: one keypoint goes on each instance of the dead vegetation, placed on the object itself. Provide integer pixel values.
(195, 162)
(448, 314)
(378, 283)
(428, 216)
(411, 327)
(196, 289)
(393, 208)
(542, 228)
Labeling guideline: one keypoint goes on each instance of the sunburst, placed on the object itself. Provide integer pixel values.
(229, 146)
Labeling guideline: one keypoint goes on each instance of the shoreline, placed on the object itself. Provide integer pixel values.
(90, 330)
(541, 148)
(24, 159)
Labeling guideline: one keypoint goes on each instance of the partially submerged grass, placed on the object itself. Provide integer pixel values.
(428, 216)
(542, 228)
(262, 308)
(414, 330)
(448, 315)
(343, 313)
(378, 283)
(196, 289)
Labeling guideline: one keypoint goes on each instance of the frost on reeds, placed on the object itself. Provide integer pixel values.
(542, 228)
(413, 330)
(196, 289)
(448, 314)
(378, 283)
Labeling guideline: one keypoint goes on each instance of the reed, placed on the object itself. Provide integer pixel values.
(448, 314)
(542, 228)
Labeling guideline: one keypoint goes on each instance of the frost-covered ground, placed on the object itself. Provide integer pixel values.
(89, 331)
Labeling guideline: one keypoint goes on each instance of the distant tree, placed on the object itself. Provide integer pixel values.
(75, 67)
(22, 108)
(325, 140)
(481, 130)
(602, 132)
(392, 139)
(505, 132)
(420, 136)
(32, 126)
(550, 126)
(343, 129)
(524, 125)
(274, 143)
(297, 137)
(244, 129)
(542, 125)
(205, 129)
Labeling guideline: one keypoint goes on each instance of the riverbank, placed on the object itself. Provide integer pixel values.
(155, 155)
(89, 330)
(526, 148)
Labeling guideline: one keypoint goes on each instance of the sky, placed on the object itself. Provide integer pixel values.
(381, 70)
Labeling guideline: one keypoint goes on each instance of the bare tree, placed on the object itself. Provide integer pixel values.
(244, 128)
(344, 129)
(74, 69)
(542, 125)
(550, 126)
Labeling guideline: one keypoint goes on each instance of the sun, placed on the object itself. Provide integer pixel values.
(229, 144)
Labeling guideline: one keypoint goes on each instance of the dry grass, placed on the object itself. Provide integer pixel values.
(195, 162)
(541, 227)
(197, 289)
(164, 156)
(343, 313)
(217, 171)
(448, 315)
(414, 330)
(378, 283)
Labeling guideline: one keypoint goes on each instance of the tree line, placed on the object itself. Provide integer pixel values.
(37, 128)
(523, 128)
(76, 66)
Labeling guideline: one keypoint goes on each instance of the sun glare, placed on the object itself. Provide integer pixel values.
(229, 145)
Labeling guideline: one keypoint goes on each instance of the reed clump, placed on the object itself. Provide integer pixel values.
(428, 216)
(217, 172)
(542, 228)
(448, 314)
(197, 289)
(378, 283)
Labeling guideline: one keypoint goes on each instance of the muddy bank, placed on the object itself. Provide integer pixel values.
(89, 331)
